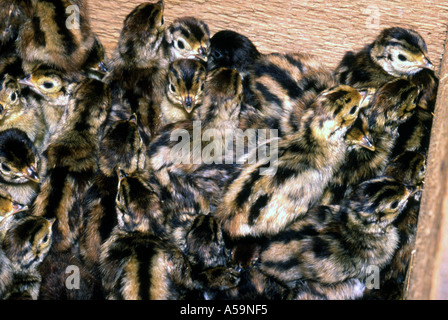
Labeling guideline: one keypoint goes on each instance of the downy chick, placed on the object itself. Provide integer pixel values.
(395, 53)
(50, 92)
(409, 168)
(391, 106)
(137, 76)
(206, 250)
(26, 244)
(71, 161)
(261, 201)
(285, 84)
(186, 38)
(19, 166)
(135, 262)
(17, 113)
(8, 208)
(121, 147)
(184, 90)
(13, 15)
(332, 244)
(58, 34)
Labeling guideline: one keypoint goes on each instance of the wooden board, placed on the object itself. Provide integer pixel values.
(325, 28)
(429, 270)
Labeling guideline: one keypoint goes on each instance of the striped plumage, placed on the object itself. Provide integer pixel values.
(20, 166)
(71, 161)
(186, 38)
(395, 53)
(284, 85)
(184, 90)
(137, 75)
(53, 36)
(16, 112)
(332, 244)
(26, 244)
(392, 105)
(409, 168)
(121, 147)
(137, 262)
(259, 203)
(141, 266)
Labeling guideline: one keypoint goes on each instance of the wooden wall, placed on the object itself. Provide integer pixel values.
(327, 29)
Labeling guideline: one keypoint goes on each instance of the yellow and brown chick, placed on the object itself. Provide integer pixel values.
(16, 112)
(186, 38)
(265, 198)
(48, 90)
(392, 105)
(152, 268)
(71, 161)
(121, 147)
(184, 91)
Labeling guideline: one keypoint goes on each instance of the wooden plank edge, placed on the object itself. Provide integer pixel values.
(428, 278)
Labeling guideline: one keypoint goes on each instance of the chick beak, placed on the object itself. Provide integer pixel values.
(17, 207)
(426, 64)
(367, 142)
(188, 104)
(32, 175)
(27, 81)
(202, 54)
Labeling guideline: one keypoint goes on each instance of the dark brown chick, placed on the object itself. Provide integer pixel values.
(20, 166)
(409, 168)
(184, 90)
(332, 244)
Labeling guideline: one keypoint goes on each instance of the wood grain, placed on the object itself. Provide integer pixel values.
(429, 270)
(325, 28)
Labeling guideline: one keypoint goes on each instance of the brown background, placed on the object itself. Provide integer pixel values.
(327, 29)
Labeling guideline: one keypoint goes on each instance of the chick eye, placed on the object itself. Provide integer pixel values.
(353, 110)
(46, 238)
(217, 54)
(402, 57)
(180, 44)
(48, 85)
(13, 96)
(162, 21)
(394, 205)
(5, 167)
(202, 86)
(172, 88)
